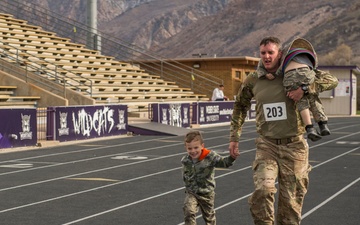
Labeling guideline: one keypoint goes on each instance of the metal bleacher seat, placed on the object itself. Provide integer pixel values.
(112, 80)
(9, 99)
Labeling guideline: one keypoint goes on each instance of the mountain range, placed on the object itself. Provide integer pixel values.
(221, 28)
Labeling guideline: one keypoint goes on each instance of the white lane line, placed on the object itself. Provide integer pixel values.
(99, 157)
(329, 199)
(60, 197)
(90, 159)
(113, 184)
(336, 139)
(123, 206)
(222, 206)
(94, 171)
(123, 144)
(17, 165)
(88, 172)
(109, 146)
(336, 194)
(146, 199)
(89, 190)
(248, 195)
(345, 153)
(83, 150)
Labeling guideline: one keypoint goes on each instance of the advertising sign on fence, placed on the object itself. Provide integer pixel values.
(84, 122)
(178, 114)
(174, 114)
(217, 112)
(212, 112)
(18, 128)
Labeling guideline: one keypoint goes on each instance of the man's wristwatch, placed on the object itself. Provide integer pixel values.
(305, 88)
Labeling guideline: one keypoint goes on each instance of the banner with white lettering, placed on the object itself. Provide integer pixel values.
(18, 128)
(84, 122)
(212, 112)
(173, 114)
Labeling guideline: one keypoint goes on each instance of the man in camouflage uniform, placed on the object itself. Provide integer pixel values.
(299, 67)
(198, 169)
(281, 150)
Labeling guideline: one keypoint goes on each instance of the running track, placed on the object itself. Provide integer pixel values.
(137, 180)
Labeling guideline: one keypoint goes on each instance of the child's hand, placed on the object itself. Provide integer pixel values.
(269, 76)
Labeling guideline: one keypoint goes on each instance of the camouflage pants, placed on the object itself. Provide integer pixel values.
(192, 204)
(324, 81)
(293, 79)
(319, 81)
(314, 104)
(289, 164)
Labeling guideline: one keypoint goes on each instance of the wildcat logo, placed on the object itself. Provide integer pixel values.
(25, 124)
(63, 130)
(175, 115)
(186, 119)
(202, 114)
(164, 116)
(121, 125)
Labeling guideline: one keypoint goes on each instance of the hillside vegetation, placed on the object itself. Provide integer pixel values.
(179, 29)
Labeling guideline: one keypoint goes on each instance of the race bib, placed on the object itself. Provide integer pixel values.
(275, 111)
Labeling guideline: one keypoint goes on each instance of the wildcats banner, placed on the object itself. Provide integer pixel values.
(18, 128)
(84, 122)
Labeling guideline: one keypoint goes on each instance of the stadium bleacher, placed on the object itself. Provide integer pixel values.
(112, 81)
(8, 98)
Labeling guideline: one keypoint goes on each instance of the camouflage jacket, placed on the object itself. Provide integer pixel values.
(324, 81)
(268, 95)
(199, 177)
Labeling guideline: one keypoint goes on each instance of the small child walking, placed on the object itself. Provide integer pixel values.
(198, 171)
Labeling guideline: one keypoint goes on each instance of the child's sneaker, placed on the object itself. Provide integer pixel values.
(312, 134)
(324, 129)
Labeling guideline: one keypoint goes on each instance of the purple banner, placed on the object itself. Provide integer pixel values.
(18, 128)
(212, 112)
(173, 114)
(84, 122)
(217, 112)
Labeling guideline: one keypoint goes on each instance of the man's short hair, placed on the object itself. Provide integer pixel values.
(270, 39)
(221, 85)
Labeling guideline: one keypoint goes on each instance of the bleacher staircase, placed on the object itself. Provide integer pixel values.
(8, 98)
(96, 76)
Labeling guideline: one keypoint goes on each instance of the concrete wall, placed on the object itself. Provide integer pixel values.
(51, 94)
(343, 99)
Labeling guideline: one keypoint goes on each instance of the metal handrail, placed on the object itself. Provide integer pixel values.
(15, 54)
(171, 70)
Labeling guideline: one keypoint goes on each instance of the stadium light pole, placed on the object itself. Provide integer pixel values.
(93, 38)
